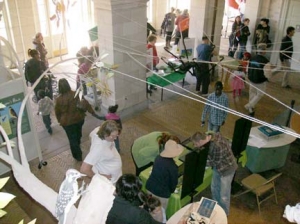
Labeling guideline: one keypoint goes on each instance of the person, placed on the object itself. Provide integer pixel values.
(262, 32)
(234, 37)
(245, 61)
(34, 68)
(70, 117)
(83, 69)
(153, 205)
(217, 116)
(257, 77)
(285, 55)
(45, 107)
(168, 26)
(151, 45)
(38, 43)
(111, 115)
(145, 148)
(245, 33)
(163, 179)
(103, 157)
(223, 163)
(125, 208)
(150, 28)
(237, 82)
(204, 53)
(180, 18)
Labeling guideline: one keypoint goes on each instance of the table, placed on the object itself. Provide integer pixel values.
(295, 123)
(263, 155)
(218, 216)
(166, 80)
(229, 65)
(175, 203)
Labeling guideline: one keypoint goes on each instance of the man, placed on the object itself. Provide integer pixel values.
(204, 53)
(258, 73)
(223, 163)
(285, 55)
(168, 26)
(216, 116)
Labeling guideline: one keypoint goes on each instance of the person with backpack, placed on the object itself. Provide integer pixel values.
(168, 25)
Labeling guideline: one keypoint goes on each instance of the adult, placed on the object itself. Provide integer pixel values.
(262, 32)
(164, 176)
(151, 45)
(257, 77)
(39, 45)
(223, 163)
(245, 33)
(150, 28)
(83, 69)
(179, 32)
(234, 37)
(145, 149)
(34, 68)
(125, 207)
(285, 55)
(70, 117)
(168, 25)
(217, 116)
(204, 54)
(103, 157)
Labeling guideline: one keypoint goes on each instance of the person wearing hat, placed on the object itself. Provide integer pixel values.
(259, 71)
(223, 163)
(164, 176)
(216, 116)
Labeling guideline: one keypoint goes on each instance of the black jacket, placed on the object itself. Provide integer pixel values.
(256, 69)
(286, 48)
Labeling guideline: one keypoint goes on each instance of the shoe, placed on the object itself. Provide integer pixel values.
(149, 91)
(287, 87)
(78, 159)
(50, 131)
(204, 94)
(250, 109)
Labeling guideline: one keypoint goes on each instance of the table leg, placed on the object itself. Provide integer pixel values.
(162, 94)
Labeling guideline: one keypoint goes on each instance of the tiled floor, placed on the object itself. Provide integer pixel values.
(180, 116)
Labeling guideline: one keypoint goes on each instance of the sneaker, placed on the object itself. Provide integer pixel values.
(287, 87)
(50, 131)
(250, 109)
(204, 94)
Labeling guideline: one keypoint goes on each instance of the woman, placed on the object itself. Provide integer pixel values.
(103, 157)
(39, 45)
(262, 32)
(125, 207)
(34, 68)
(234, 37)
(145, 149)
(164, 176)
(245, 33)
(70, 117)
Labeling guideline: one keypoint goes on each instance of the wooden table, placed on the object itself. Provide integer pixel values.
(295, 123)
(218, 215)
(228, 65)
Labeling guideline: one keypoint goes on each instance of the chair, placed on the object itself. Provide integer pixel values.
(138, 170)
(260, 186)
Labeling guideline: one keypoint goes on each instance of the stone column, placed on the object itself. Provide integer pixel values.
(122, 34)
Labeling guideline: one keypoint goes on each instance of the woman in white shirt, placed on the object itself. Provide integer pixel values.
(103, 157)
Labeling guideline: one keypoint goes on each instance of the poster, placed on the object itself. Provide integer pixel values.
(9, 115)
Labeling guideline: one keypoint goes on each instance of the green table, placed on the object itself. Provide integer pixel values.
(175, 203)
(165, 80)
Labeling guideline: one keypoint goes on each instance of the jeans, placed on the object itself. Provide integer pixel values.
(286, 66)
(47, 122)
(212, 127)
(221, 189)
(203, 77)
(74, 133)
(242, 50)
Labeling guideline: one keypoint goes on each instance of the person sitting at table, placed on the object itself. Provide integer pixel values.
(223, 163)
(164, 176)
(126, 206)
(145, 149)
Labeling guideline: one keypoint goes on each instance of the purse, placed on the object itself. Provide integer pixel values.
(81, 106)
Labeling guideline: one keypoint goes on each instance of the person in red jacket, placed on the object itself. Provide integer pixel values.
(151, 44)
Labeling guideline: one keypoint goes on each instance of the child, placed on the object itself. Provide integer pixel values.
(237, 82)
(245, 61)
(111, 115)
(45, 108)
(153, 206)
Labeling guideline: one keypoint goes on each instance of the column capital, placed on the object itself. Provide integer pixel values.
(119, 4)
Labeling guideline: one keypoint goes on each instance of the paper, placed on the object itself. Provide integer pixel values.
(256, 141)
